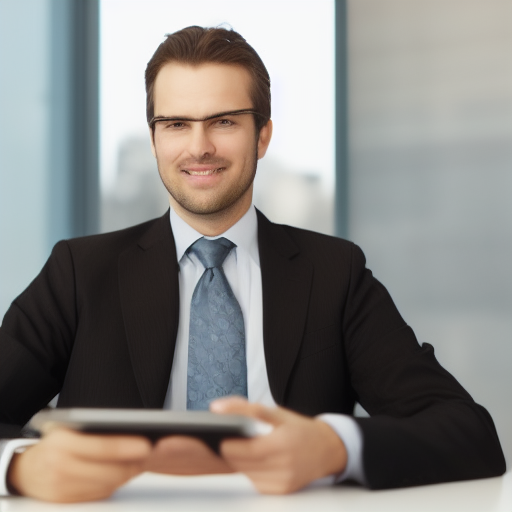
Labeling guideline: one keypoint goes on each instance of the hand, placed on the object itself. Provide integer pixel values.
(298, 451)
(67, 466)
(183, 455)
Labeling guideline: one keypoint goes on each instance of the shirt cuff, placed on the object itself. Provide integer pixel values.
(350, 433)
(7, 449)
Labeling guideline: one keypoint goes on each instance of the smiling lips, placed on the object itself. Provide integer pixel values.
(202, 171)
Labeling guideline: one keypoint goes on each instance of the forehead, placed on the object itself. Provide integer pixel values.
(202, 90)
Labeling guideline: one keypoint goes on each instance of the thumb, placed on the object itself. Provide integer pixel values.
(238, 405)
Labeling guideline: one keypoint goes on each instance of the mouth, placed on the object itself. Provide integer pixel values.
(203, 172)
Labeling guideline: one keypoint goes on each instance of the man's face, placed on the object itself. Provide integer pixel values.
(208, 166)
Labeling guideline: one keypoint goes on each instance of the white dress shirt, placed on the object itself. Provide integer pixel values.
(242, 269)
(243, 272)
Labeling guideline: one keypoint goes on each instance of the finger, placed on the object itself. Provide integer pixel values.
(89, 481)
(107, 474)
(243, 453)
(238, 405)
(185, 455)
(183, 446)
(99, 447)
(259, 449)
(81, 472)
(56, 475)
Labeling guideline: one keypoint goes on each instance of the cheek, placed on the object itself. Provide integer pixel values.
(168, 154)
(235, 148)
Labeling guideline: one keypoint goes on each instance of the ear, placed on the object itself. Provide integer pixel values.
(152, 139)
(264, 139)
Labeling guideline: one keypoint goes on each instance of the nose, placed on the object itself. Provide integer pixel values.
(200, 143)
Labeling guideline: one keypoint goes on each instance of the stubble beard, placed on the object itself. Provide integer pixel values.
(216, 202)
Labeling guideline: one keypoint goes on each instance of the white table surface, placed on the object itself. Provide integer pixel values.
(154, 493)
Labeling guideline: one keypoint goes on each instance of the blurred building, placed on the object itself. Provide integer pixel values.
(137, 193)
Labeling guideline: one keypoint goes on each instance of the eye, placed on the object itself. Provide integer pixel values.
(170, 124)
(224, 121)
(174, 125)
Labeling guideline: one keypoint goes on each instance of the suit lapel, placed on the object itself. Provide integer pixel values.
(149, 290)
(286, 281)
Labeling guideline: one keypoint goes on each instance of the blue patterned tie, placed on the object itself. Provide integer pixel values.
(216, 351)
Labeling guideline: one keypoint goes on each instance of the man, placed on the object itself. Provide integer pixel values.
(113, 321)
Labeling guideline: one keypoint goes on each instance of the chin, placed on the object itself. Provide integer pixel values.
(211, 205)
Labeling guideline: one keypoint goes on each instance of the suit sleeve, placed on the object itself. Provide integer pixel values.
(423, 426)
(35, 342)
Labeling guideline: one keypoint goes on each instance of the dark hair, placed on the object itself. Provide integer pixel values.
(198, 45)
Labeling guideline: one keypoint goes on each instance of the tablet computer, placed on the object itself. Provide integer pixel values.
(151, 423)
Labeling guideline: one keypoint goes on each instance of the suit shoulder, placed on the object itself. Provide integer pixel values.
(290, 241)
(313, 236)
(115, 242)
(313, 242)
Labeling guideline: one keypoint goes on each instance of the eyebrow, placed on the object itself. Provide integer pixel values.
(207, 118)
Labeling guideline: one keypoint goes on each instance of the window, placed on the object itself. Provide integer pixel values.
(295, 180)
(430, 88)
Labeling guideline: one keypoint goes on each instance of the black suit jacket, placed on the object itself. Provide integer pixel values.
(99, 326)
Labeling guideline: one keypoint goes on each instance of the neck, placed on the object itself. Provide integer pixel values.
(213, 224)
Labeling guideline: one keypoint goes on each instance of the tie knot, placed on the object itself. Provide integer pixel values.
(211, 253)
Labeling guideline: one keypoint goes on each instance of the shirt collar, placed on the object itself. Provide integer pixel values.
(244, 234)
